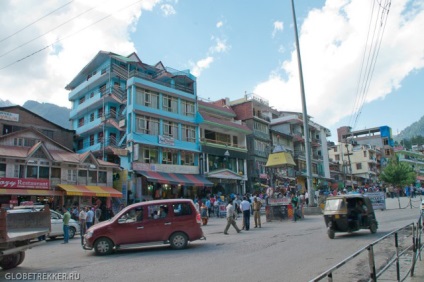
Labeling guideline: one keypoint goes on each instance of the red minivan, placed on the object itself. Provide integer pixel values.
(173, 221)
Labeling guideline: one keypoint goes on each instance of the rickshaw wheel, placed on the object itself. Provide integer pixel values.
(331, 233)
(373, 227)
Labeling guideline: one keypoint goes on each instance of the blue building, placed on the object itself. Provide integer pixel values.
(143, 117)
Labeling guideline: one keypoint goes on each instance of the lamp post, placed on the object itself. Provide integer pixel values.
(305, 115)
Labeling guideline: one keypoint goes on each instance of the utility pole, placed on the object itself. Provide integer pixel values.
(350, 164)
(305, 116)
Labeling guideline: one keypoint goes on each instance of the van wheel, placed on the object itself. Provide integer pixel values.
(103, 246)
(72, 232)
(21, 258)
(178, 240)
(10, 261)
(373, 227)
(331, 233)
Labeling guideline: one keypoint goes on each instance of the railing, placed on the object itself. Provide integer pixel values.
(396, 245)
(222, 143)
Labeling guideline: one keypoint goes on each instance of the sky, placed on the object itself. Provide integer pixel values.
(362, 61)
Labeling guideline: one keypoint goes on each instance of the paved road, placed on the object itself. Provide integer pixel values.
(279, 251)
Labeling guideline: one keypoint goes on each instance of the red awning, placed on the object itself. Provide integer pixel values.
(176, 178)
(82, 190)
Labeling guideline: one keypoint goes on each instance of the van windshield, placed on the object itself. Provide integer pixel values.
(334, 204)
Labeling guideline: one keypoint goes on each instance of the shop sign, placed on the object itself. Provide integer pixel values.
(278, 201)
(25, 183)
(9, 116)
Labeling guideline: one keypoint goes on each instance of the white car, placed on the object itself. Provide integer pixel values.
(56, 222)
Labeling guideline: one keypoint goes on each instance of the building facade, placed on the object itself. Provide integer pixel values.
(143, 117)
(224, 148)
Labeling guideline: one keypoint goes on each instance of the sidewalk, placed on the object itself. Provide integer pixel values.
(407, 203)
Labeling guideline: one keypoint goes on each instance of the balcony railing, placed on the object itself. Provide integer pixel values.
(221, 143)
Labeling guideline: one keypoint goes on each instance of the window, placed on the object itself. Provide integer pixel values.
(18, 142)
(81, 122)
(147, 98)
(170, 104)
(81, 100)
(169, 157)
(91, 117)
(91, 139)
(182, 209)
(187, 158)
(260, 127)
(359, 166)
(44, 172)
(72, 175)
(147, 125)
(56, 172)
(187, 108)
(2, 170)
(32, 172)
(80, 144)
(150, 155)
(135, 214)
(189, 133)
(102, 176)
(157, 211)
(100, 137)
(335, 149)
(100, 113)
(170, 129)
(385, 141)
(365, 153)
(235, 141)
(337, 157)
(48, 133)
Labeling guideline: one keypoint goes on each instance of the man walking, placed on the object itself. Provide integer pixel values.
(245, 209)
(257, 211)
(66, 218)
(230, 218)
(90, 217)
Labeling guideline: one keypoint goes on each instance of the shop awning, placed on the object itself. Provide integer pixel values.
(176, 178)
(32, 192)
(90, 191)
(280, 159)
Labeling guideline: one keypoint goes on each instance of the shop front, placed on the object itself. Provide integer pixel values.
(91, 196)
(164, 185)
(15, 191)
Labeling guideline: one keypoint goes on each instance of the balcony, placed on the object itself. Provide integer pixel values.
(222, 144)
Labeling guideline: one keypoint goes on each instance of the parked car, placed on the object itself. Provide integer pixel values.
(56, 220)
(175, 222)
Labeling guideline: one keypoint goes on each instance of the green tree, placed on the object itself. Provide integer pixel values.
(398, 173)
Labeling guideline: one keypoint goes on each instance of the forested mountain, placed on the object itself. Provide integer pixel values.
(51, 112)
(413, 134)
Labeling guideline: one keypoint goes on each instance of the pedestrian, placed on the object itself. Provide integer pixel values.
(90, 217)
(66, 218)
(257, 212)
(97, 214)
(295, 204)
(245, 209)
(82, 220)
(204, 214)
(230, 218)
(208, 206)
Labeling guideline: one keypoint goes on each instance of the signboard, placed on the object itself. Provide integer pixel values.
(378, 200)
(278, 201)
(24, 183)
(166, 140)
(9, 116)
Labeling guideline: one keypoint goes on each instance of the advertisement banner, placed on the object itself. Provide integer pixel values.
(378, 200)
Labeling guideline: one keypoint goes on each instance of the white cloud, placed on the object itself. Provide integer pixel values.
(220, 46)
(332, 42)
(219, 24)
(278, 26)
(43, 76)
(201, 65)
(167, 10)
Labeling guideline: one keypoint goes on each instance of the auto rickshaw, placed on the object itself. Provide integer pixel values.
(349, 213)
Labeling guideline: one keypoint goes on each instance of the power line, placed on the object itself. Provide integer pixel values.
(37, 20)
(67, 36)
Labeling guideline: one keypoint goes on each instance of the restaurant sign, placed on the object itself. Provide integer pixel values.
(25, 183)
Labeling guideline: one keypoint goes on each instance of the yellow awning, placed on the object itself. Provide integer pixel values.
(81, 190)
(280, 159)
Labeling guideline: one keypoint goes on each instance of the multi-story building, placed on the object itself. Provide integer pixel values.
(255, 111)
(359, 164)
(292, 123)
(144, 117)
(224, 150)
(15, 118)
(36, 169)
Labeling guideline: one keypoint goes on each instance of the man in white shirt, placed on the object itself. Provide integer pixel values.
(245, 209)
(230, 218)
